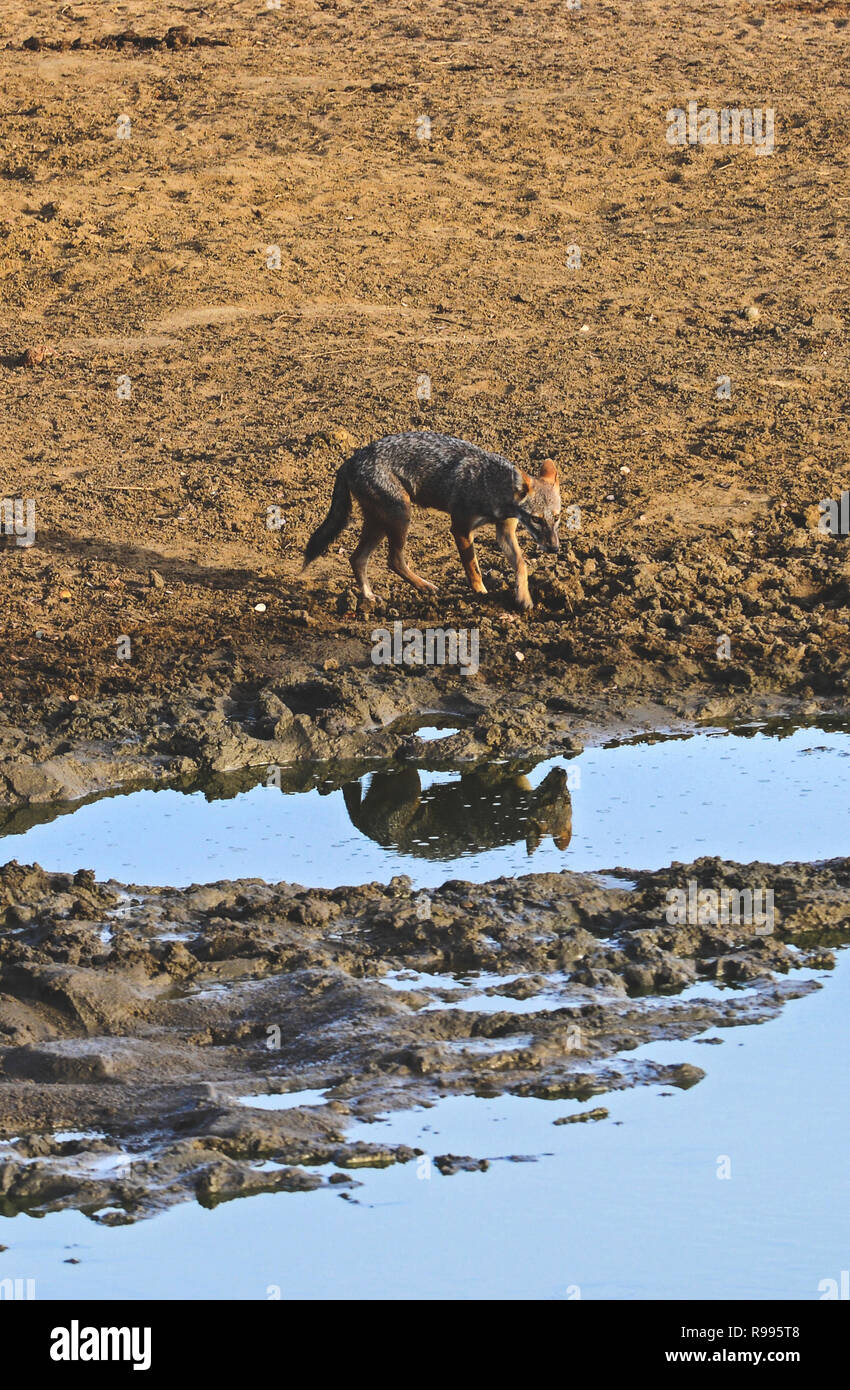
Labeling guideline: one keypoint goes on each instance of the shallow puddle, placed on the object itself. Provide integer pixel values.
(284, 1100)
(632, 1206)
(747, 796)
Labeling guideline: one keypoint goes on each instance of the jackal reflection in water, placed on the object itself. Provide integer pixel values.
(478, 811)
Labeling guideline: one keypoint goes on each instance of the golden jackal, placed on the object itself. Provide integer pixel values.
(449, 475)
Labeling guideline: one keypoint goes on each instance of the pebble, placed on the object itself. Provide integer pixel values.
(33, 357)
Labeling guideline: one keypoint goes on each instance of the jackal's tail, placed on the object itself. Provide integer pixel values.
(336, 520)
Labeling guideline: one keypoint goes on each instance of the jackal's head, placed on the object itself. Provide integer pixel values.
(551, 812)
(540, 507)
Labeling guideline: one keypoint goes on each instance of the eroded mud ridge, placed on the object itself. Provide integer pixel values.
(178, 36)
(134, 1022)
(60, 751)
(299, 717)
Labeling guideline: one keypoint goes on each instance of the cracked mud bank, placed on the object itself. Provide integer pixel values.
(135, 1022)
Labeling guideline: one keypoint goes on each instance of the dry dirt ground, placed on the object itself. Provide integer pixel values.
(145, 259)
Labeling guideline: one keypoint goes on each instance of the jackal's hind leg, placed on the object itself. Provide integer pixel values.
(465, 542)
(397, 535)
(506, 536)
(370, 538)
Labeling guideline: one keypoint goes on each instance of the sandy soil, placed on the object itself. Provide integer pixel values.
(145, 258)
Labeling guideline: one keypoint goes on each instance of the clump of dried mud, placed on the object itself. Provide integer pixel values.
(136, 1018)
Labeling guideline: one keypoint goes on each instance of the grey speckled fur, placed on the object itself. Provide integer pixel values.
(450, 475)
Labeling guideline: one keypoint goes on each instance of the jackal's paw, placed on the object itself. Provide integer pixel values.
(479, 589)
(427, 586)
(523, 603)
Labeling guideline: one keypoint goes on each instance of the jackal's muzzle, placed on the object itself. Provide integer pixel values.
(541, 531)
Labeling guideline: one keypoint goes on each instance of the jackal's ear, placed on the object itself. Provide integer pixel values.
(524, 487)
(548, 471)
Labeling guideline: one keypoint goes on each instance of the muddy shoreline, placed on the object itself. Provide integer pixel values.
(135, 1018)
(61, 752)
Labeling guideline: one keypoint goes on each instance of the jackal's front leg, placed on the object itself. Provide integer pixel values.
(466, 550)
(506, 535)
